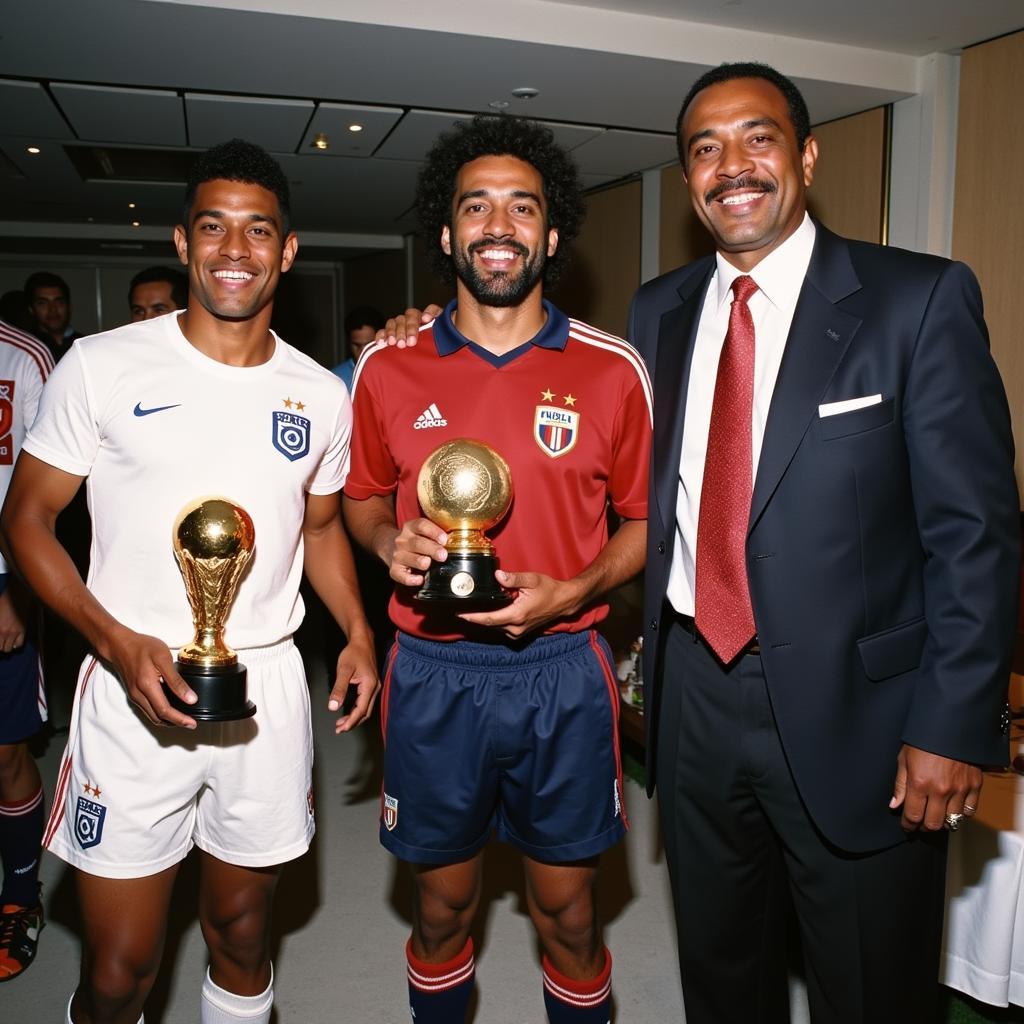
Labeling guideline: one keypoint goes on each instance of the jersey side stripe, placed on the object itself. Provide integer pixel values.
(33, 348)
(630, 354)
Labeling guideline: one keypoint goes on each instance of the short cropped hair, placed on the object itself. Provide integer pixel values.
(175, 278)
(44, 279)
(498, 135)
(749, 69)
(238, 160)
(363, 316)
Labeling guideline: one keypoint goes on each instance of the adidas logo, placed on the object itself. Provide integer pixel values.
(430, 417)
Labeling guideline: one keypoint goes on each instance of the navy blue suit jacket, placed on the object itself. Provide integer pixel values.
(883, 545)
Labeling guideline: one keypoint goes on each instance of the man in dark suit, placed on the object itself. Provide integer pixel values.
(831, 578)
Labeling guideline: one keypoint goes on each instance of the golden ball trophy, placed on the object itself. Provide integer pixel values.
(213, 542)
(465, 487)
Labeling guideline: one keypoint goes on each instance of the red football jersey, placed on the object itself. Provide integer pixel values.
(570, 411)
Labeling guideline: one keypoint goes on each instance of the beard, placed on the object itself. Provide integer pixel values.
(499, 288)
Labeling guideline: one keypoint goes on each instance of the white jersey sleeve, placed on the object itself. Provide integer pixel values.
(333, 469)
(65, 432)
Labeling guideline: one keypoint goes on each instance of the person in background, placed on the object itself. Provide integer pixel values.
(25, 363)
(156, 291)
(360, 327)
(49, 303)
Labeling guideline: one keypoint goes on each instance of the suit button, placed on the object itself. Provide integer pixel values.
(661, 547)
(654, 624)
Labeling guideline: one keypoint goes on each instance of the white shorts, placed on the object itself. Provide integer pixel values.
(132, 798)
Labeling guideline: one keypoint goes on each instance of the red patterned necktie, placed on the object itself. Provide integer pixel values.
(723, 612)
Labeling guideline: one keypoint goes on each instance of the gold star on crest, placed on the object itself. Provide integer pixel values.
(288, 403)
(299, 406)
(570, 400)
(547, 394)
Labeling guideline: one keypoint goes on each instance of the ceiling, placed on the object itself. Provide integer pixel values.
(128, 88)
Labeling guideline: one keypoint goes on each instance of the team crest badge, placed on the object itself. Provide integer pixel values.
(291, 435)
(89, 822)
(390, 812)
(556, 430)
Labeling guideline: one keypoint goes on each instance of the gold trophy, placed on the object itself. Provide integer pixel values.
(213, 542)
(465, 487)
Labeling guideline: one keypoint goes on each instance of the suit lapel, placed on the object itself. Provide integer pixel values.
(818, 338)
(676, 335)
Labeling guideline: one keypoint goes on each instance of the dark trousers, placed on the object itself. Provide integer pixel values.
(737, 834)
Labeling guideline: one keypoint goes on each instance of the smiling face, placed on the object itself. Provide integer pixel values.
(746, 175)
(499, 239)
(235, 248)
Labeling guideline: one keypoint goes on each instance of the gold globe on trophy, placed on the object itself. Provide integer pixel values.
(465, 487)
(213, 541)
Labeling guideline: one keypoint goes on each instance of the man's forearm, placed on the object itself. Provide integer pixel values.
(620, 560)
(331, 571)
(371, 523)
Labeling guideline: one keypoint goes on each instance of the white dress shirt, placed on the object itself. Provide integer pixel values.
(779, 278)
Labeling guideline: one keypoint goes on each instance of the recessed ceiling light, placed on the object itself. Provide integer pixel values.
(525, 92)
(355, 127)
(321, 141)
(131, 206)
(34, 150)
(498, 104)
(135, 223)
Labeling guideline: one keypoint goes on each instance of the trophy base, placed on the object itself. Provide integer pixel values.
(220, 690)
(464, 580)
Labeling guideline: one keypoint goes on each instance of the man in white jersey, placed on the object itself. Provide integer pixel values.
(155, 415)
(25, 363)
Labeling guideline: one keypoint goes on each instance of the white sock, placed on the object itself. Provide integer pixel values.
(142, 1019)
(217, 1006)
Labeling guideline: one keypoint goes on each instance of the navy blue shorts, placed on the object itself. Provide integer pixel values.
(22, 701)
(482, 737)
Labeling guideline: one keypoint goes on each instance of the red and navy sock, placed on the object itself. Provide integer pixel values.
(21, 837)
(569, 1001)
(439, 993)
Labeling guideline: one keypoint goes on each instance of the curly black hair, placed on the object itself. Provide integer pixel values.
(749, 69)
(498, 135)
(238, 160)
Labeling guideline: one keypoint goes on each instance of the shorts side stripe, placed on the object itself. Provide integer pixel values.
(57, 808)
(613, 697)
(386, 692)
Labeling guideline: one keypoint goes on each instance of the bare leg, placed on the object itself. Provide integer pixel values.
(235, 906)
(446, 901)
(124, 920)
(560, 898)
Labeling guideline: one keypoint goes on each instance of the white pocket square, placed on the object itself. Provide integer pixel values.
(847, 405)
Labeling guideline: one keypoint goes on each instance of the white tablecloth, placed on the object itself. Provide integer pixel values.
(983, 945)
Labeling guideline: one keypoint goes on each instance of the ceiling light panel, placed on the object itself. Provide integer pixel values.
(26, 109)
(416, 132)
(145, 117)
(334, 119)
(275, 124)
(618, 152)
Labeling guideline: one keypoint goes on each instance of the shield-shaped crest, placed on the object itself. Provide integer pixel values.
(556, 430)
(390, 812)
(291, 435)
(89, 822)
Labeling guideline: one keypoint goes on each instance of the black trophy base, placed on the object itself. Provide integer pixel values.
(220, 690)
(464, 581)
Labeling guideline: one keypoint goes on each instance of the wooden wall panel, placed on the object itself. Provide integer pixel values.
(605, 268)
(988, 210)
(849, 178)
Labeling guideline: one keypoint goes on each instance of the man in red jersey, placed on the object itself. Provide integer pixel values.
(504, 719)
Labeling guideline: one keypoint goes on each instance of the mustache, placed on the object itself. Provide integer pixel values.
(740, 185)
(517, 247)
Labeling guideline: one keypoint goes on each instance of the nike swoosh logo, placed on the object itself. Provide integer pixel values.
(139, 411)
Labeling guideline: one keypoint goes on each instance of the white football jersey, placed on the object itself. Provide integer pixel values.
(25, 363)
(154, 424)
